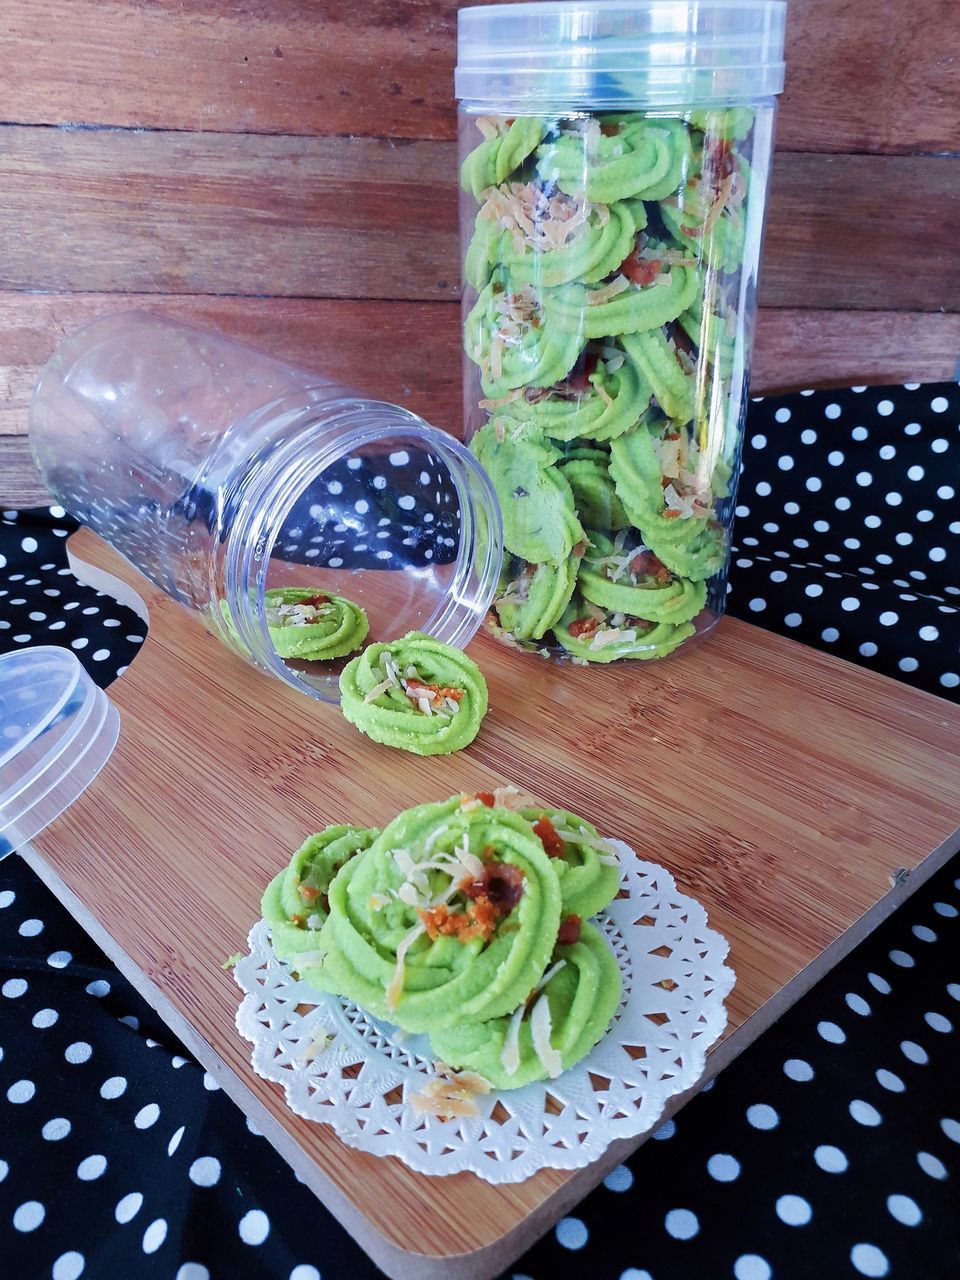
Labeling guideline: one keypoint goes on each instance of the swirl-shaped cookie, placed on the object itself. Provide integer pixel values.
(512, 334)
(626, 577)
(611, 636)
(601, 403)
(636, 158)
(533, 596)
(295, 901)
(622, 306)
(449, 917)
(587, 865)
(417, 694)
(594, 493)
(500, 153)
(554, 1029)
(313, 625)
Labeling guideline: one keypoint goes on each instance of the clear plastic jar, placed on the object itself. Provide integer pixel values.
(614, 165)
(223, 475)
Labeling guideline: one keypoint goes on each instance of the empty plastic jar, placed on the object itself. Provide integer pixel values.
(224, 475)
(614, 164)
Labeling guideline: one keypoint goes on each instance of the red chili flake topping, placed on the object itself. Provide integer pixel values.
(639, 270)
(308, 893)
(569, 931)
(610, 130)
(719, 158)
(671, 513)
(579, 378)
(646, 565)
(547, 832)
(299, 920)
(581, 627)
(487, 798)
(579, 550)
(500, 886)
(463, 925)
(316, 600)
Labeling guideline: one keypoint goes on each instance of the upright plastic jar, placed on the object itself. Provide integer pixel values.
(614, 166)
(289, 512)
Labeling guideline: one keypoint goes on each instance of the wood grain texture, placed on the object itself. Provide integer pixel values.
(416, 352)
(887, 84)
(814, 780)
(367, 218)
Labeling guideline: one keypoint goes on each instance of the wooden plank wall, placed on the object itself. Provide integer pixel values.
(285, 170)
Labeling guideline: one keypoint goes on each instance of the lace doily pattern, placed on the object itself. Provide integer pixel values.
(340, 1066)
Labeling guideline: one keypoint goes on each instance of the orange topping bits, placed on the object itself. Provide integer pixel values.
(299, 920)
(549, 838)
(417, 689)
(581, 627)
(646, 565)
(579, 550)
(316, 600)
(639, 270)
(569, 931)
(487, 798)
(500, 885)
(308, 893)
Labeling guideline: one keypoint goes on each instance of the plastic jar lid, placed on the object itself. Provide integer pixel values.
(57, 730)
(613, 53)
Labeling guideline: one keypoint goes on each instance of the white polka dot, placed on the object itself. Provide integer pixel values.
(379, 482)
(29, 544)
(864, 1113)
(77, 1052)
(793, 619)
(21, 1091)
(937, 554)
(762, 1116)
(914, 1052)
(849, 604)
(750, 1266)
(885, 408)
(69, 1266)
(813, 484)
(113, 1087)
(951, 1128)
(6, 898)
(869, 1260)
(128, 1206)
(836, 459)
(888, 618)
(400, 458)
(90, 1168)
(56, 1129)
(147, 1116)
(830, 1032)
(4, 1169)
(205, 1171)
(723, 1167)
(939, 446)
(782, 415)
(950, 679)
(830, 1159)
(354, 464)
(778, 575)
(797, 1069)
(946, 491)
(304, 1272)
(879, 984)
(785, 463)
(665, 1131)
(757, 604)
(908, 664)
(29, 1215)
(682, 1224)
(30, 928)
(813, 589)
(197, 1271)
(13, 988)
(209, 1083)
(794, 1210)
(154, 1235)
(100, 987)
(905, 1210)
(953, 989)
(255, 1227)
(619, 1179)
(362, 507)
(857, 1004)
(902, 958)
(859, 433)
(931, 1166)
(937, 1022)
(928, 633)
(830, 634)
(44, 1018)
(945, 909)
(59, 959)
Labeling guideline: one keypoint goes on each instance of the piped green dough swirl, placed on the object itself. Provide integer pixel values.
(583, 996)
(378, 694)
(488, 164)
(445, 981)
(647, 159)
(635, 309)
(339, 628)
(612, 405)
(676, 600)
(645, 641)
(296, 915)
(529, 605)
(543, 351)
(587, 882)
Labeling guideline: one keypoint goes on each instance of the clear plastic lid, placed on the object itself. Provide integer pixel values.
(57, 730)
(612, 53)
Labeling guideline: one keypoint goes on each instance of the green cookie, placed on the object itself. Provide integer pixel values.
(539, 517)
(673, 383)
(696, 558)
(416, 694)
(517, 341)
(588, 868)
(721, 244)
(295, 901)
(623, 580)
(533, 599)
(582, 995)
(594, 493)
(645, 158)
(391, 949)
(574, 307)
(634, 638)
(488, 164)
(311, 625)
(615, 396)
(592, 253)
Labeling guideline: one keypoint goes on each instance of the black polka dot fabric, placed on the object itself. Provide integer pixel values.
(831, 1148)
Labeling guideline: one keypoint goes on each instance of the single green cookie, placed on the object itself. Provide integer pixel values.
(539, 517)
(532, 600)
(594, 313)
(582, 995)
(628, 580)
(450, 917)
(673, 382)
(594, 251)
(489, 164)
(632, 638)
(608, 402)
(416, 694)
(295, 901)
(313, 625)
(513, 335)
(594, 493)
(587, 866)
(642, 158)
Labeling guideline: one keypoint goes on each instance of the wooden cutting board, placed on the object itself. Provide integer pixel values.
(784, 788)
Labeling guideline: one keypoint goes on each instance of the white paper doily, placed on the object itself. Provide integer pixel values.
(672, 1010)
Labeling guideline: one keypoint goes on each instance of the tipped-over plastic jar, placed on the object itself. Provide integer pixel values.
(298, 518)
(614, 165)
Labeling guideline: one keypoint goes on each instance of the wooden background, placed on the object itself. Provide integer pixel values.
(284, 170)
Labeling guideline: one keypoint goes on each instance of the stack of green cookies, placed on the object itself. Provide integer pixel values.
(465, 920)
(607, 260)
